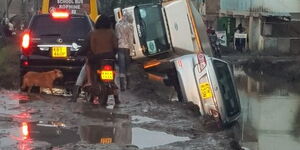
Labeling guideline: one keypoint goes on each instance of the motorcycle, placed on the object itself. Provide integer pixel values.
(103, 85)
(215, 44)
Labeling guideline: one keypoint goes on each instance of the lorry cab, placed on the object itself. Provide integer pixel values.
(208, 83)
(165, 28)
(150, 33)
(177, 28)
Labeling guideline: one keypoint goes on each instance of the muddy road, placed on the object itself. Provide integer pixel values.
(149, 118)
(145, 119)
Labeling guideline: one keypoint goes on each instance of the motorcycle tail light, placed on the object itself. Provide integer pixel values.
(107, 68)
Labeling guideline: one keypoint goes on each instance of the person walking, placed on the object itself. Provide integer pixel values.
(124, 33)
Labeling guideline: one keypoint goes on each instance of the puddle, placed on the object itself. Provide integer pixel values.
(142, 119)
(10, 102)
(124, 135)
(53, 133)
(111, 128)
(105, 115)
(145, 138)
(57, 134)
(271, 111)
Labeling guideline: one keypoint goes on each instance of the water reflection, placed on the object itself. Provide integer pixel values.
(145, 138)
(54, 133)
(116, 130)
(271, 110)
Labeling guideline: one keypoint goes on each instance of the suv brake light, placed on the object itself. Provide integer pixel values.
(26, 39)
(201, 60)
(60, 14)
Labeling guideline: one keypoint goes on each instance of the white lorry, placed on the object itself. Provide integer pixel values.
(172, 38)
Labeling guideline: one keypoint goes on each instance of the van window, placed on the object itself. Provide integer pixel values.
(151, 28)
(227, 88)
(76, 27)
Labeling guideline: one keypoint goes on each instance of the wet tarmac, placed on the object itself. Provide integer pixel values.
(271, 109)
(57, 134)
(18, 131)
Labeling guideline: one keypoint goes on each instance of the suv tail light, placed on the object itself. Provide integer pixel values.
(26, 39)
(60, 14)
(202, 61)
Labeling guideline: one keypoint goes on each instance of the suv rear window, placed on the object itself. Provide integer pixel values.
(75, 27)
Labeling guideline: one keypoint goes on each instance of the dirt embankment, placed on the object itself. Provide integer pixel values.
(9, 66)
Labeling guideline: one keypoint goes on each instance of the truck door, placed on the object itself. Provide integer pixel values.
(181, 32)
(151, 29)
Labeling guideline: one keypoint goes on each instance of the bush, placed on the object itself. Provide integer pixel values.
(9, 66)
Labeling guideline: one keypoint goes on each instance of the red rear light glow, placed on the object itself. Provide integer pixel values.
(25, 130)
(60, 14)
(25, 40)
(25, 63)
(25, 43)
(107, 67)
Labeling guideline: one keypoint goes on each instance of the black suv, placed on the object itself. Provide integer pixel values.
(54, 41)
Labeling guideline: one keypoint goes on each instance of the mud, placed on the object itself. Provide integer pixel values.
(145, 119)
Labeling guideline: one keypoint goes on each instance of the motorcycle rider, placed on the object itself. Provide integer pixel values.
(101, 44)
(214, 43)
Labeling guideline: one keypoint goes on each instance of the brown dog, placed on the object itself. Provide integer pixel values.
(41, 79)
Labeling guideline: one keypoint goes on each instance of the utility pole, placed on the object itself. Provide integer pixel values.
(6, 8)
(250, 45)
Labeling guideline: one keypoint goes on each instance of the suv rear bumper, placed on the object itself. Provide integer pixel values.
(70, 67)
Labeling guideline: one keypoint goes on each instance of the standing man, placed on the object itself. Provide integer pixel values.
(124, 33)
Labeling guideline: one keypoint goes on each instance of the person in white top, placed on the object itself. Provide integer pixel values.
(124, 34)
